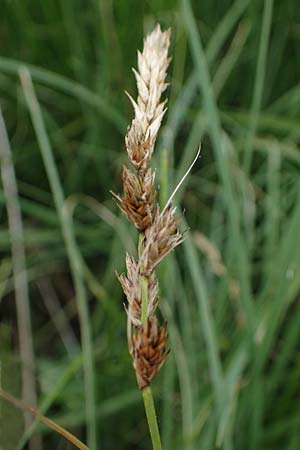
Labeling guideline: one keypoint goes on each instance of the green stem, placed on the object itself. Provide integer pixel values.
(73, 253)
(151, 418)
(144, 288)
(147, 392)
(163, 192)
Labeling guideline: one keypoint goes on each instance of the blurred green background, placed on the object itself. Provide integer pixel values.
(230, 293)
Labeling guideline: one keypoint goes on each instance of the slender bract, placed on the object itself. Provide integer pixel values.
(158, 233)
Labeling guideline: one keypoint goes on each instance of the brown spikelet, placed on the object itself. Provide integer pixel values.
(160, 239)
(138, 202)
(149, 351)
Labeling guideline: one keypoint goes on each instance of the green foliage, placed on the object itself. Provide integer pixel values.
(232, 378)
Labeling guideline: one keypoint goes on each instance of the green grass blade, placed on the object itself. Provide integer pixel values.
(221, 159)
(70, 87)
(259, 82)
(73, 254)
(206, 319)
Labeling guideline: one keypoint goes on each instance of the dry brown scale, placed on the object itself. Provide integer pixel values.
(158, 230)
(149, 351)
(138, 201)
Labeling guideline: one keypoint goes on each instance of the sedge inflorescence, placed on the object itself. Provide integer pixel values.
(158, 229)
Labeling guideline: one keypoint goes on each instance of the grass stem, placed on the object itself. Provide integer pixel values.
(75, 259)
(144, 288)
(151, 418)
(16, 233)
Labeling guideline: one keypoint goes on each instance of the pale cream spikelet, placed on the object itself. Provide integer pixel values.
(160, 239)
(153, 63)
(132, 289)
(140, 144)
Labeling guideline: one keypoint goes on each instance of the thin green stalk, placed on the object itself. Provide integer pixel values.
(259, 82)
(144, 288)
(20, 276)
(169, 386)
(166, 157)
(151, 417)
(164, 188)
(178, 111)
(72, 251)
(184, 377)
